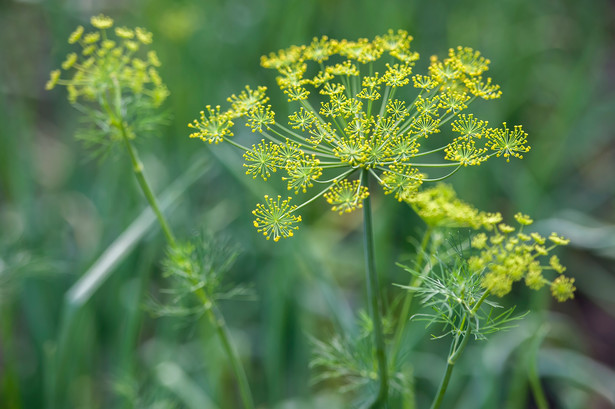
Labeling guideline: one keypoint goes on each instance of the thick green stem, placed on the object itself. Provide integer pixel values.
(405, 309)
(452, 358)
(137, 167)
(217, 320)
(373, 295)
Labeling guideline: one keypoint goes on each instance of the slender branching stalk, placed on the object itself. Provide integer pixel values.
(137, 168)
(373, 295)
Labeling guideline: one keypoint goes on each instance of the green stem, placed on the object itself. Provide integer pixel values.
(405, 309)
(480, 302)
(373, 295)
(137, 167)
(452, 358)
(217, 320)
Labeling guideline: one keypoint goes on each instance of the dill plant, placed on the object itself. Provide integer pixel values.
(116, 85)
(361, 114)
(114, 82)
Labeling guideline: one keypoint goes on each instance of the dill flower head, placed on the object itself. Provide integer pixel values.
(508, 255)
(114, 79)
(275, 218)
(359, 106)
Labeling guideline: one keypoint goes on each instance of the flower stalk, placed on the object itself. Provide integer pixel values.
(137, 168)
(373, 295)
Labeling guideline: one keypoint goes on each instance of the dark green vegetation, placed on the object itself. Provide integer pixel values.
(59, 212)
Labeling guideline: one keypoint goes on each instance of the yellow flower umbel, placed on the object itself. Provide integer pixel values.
(506, 257)
(113, 79)
(275, 219)
(357, 105)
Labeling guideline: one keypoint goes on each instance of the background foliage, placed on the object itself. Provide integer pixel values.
(59, 211)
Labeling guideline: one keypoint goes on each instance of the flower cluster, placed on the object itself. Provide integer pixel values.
(275, 218)
(351, 112)
(113, 79)
(108, 64)
(508, 255)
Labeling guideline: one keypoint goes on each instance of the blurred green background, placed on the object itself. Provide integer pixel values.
(555, 62)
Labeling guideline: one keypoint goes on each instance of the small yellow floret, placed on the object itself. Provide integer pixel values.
(91, 38)
(152, 57)
(561, 241)
(124, 32)
(554, 262)
(70, 61)
(538, 238)
(498, 284)
(504, 228)
(523, 219)
(55, 76)
(76, 35)
(534, 278)
(131, 45)
(143, 35)
(563, 288)
(101, 22)
(479, 241)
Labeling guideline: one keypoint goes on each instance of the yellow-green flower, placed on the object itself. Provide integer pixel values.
(507, 143)
(346, 196)
(563, 288)
(214, 126)
(523, 219)
(76, 35)
(101, 22)
(275, 219)
(506, 257)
